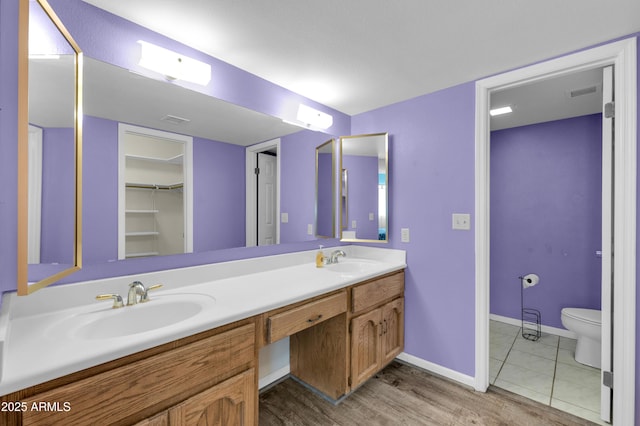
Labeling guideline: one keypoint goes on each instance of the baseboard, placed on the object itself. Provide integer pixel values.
(545, 328)
(437, 369)
(274, 376)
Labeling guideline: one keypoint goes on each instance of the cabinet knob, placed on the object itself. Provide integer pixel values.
(310, 320)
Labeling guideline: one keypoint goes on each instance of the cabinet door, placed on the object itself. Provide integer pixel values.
(392, 330)
(366, 331)
(161, 419)
(232, 403)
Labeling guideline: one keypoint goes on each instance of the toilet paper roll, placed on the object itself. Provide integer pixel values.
(530, 280)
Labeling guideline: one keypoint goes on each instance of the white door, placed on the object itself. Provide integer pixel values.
(267, 180)
(607, 241)
(35, 194)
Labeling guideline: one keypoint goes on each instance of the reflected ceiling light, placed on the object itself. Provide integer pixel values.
(173, 65)
(500, 111)
(313, 118)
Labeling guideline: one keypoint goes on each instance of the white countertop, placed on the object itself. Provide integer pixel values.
(35, 345)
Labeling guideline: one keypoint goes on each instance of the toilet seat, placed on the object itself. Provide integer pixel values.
(590, 316)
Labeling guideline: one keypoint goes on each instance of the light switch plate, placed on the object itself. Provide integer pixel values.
(404, 235)
(461, 221)
(370, 216)
(284, 217)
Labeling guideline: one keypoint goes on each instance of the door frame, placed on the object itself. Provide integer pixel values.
(123, 129)
(251, 215)
(621, 54)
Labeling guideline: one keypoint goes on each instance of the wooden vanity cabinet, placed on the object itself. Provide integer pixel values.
(206, 376)
(377, 331)
(338, 355)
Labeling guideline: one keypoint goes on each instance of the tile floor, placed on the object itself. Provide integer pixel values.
(544, 371)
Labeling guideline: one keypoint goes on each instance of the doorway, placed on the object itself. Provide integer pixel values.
(623, 56)
(263, 193)
(546, 215)
(155, 192)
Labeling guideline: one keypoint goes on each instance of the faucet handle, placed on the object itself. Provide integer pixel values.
(117, 300)
(145, 296)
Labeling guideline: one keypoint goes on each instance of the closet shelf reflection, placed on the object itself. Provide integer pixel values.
(141, 211)
(146, 254)
(154, 186)
(141, 233)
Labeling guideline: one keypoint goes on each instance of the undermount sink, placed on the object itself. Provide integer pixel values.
(351, 266)
(159, 312)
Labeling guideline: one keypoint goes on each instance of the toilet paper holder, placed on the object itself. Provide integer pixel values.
(531, 324)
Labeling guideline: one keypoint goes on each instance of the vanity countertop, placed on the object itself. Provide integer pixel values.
(36, 339)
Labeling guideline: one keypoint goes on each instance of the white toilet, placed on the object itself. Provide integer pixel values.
(586, 323)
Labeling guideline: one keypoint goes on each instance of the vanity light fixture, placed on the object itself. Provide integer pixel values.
(172, 65)
(313, 118)
(500, 111)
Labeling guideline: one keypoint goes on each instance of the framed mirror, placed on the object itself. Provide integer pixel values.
(224, 135)
(325, 190)
(364, 165)
(49, 149)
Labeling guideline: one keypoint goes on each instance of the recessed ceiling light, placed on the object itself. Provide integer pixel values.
(500, 111)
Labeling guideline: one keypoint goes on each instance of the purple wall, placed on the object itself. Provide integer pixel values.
(431, 176)
(546, 216)
(100, 190)
(362, 182)
(297, 183)
(8, 144)
(325, 210)
(218, 195)
(58, 196)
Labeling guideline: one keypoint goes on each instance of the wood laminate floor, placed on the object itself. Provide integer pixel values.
(405, 395)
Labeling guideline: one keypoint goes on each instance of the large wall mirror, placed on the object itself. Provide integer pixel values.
(223, 136)
(364, 187)
(49, 149)
(325, 190)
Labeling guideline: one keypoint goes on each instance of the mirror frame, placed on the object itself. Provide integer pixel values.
(386, 188)
(23, 286)
(333, 188)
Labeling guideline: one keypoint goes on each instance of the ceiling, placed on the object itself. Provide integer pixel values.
(557, 98)
(359, 55)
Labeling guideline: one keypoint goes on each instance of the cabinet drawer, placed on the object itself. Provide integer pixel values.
(115, 396)
(297, 319)
(375, 292)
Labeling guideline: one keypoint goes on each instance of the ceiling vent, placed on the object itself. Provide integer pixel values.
(585, 91)
(174, 119)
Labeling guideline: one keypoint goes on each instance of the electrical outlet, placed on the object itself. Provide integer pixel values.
(404, 235)
(353, 224)
(461, 221)
(370, 216)
(309, 229)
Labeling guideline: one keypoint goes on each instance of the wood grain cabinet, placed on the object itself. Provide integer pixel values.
(339, 354)
(377, 337)
(231, 403)
(210, 376)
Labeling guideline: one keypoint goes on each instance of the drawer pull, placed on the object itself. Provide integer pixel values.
(314, 319)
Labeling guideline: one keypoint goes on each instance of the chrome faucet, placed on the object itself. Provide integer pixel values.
(136, 289)
(334, 256)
